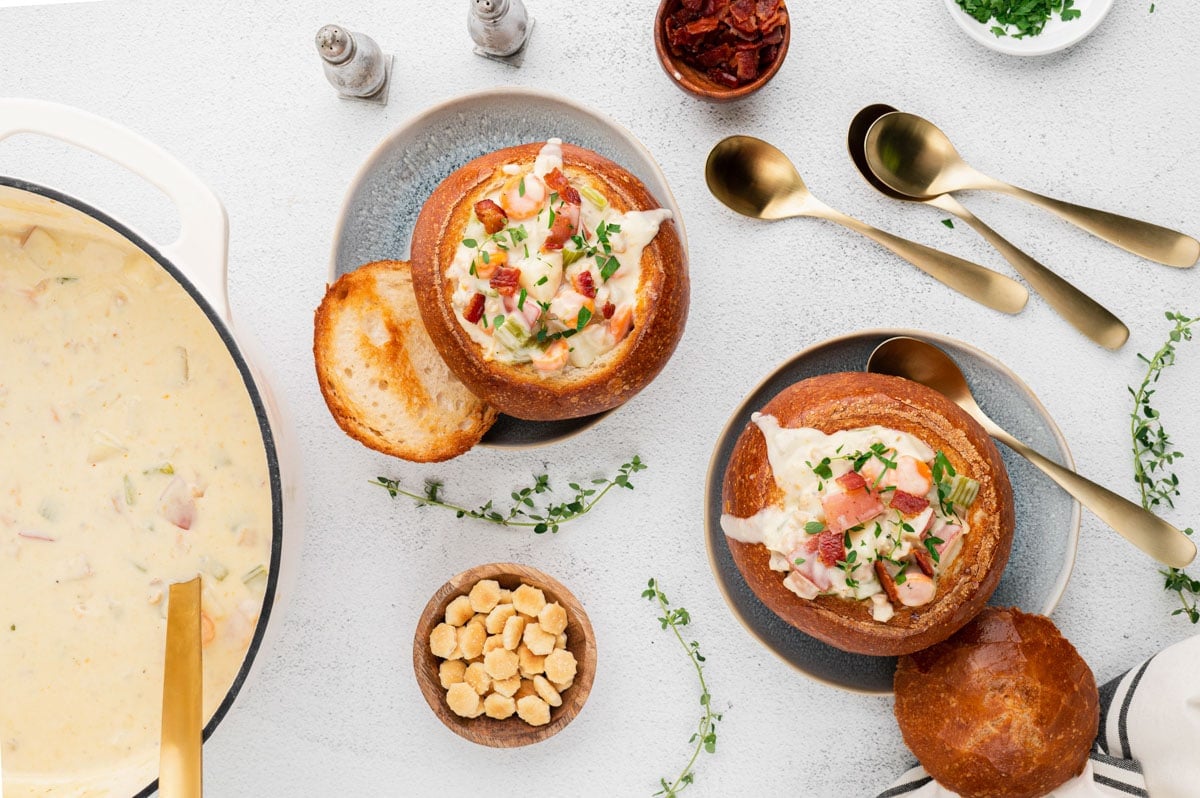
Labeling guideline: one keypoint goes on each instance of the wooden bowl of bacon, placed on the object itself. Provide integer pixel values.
(868, 511)
(721, 50)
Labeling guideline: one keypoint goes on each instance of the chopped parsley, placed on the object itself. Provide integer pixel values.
(1019, 18)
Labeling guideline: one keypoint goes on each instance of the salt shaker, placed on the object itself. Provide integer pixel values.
(500, 29)
(354, 64)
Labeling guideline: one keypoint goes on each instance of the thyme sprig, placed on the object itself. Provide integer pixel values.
(705, 736)
(1154, 453)
(524, 511)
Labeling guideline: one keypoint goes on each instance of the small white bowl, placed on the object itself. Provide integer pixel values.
(1057, 35)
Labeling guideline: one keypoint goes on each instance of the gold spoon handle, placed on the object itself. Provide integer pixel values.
(1141, 238)
(180, 770)
(1084, 313)
(970, 279)
(1140, 527)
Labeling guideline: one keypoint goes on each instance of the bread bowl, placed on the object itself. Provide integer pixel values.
(550, 280)
(810, 474)
(1006, 708)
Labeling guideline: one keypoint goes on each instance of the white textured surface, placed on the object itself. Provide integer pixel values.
(235, 90)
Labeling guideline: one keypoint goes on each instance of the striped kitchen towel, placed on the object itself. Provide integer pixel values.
(1149, 739)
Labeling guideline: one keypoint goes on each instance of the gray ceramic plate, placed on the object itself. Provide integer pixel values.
(386, 195)
(1047, 530)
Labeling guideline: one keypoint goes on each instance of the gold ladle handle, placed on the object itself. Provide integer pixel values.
(1141, 238)
(180, 770)
(1084, 313)
(1139, 526)
(970, 279)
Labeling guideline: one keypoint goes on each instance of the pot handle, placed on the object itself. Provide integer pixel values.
(202, 247)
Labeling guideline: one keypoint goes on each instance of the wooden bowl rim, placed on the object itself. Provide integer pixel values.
(483, 730)
(687, 78)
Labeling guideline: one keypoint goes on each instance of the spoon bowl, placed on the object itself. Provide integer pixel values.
(914, 157)
(922, 362)
(1086, 314)
(756, 179)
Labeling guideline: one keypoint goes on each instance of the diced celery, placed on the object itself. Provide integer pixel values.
(130, 493)
(570, 256)
(254, 574)
(215, 568)
(512, 335)
(963, 491)
(593, 196)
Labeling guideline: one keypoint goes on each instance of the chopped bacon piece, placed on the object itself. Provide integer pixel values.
(849, 509)
(721, 54)
(704, 33)
(908, 504)
(566, 192)
(506, 280)
(923, 561)
(566, 221)
(701, 26)
(492, 215)
(585, 284)
(474, 309)
(830, 548)
(724, 78)
(851, 480)
(886, 580)
(741, 10)
(608, 310)
(747, 65)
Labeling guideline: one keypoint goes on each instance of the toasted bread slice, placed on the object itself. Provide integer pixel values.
(383, 379)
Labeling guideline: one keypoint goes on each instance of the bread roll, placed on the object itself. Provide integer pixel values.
(550, 280)
(836, 403)
(381, 376)
(1006, 708)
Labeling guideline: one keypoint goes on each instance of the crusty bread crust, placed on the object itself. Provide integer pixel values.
(519, 390)
(383, 379)
(1006, 708)
(834, 402)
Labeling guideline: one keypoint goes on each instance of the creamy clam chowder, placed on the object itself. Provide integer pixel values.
(547, 270)
(133, 458)
(867, 514)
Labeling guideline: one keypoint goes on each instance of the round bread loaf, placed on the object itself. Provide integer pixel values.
(383, 380)
(1006, 708)
(645, 328)
(855, 400)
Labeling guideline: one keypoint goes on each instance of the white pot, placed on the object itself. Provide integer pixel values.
(197, 260)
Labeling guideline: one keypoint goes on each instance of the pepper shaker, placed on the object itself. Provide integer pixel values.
(354, 64)
(500, 29)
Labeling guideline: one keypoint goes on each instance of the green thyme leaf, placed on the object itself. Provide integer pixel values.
(1154, 453)
(705, 737)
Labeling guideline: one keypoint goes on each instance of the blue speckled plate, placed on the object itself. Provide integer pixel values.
(1047, 529)
(386, 195)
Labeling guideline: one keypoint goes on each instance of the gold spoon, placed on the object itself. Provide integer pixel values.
(180, 768)
(930, 366)
(755, 179)
(914, 157)
(1084, 313)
